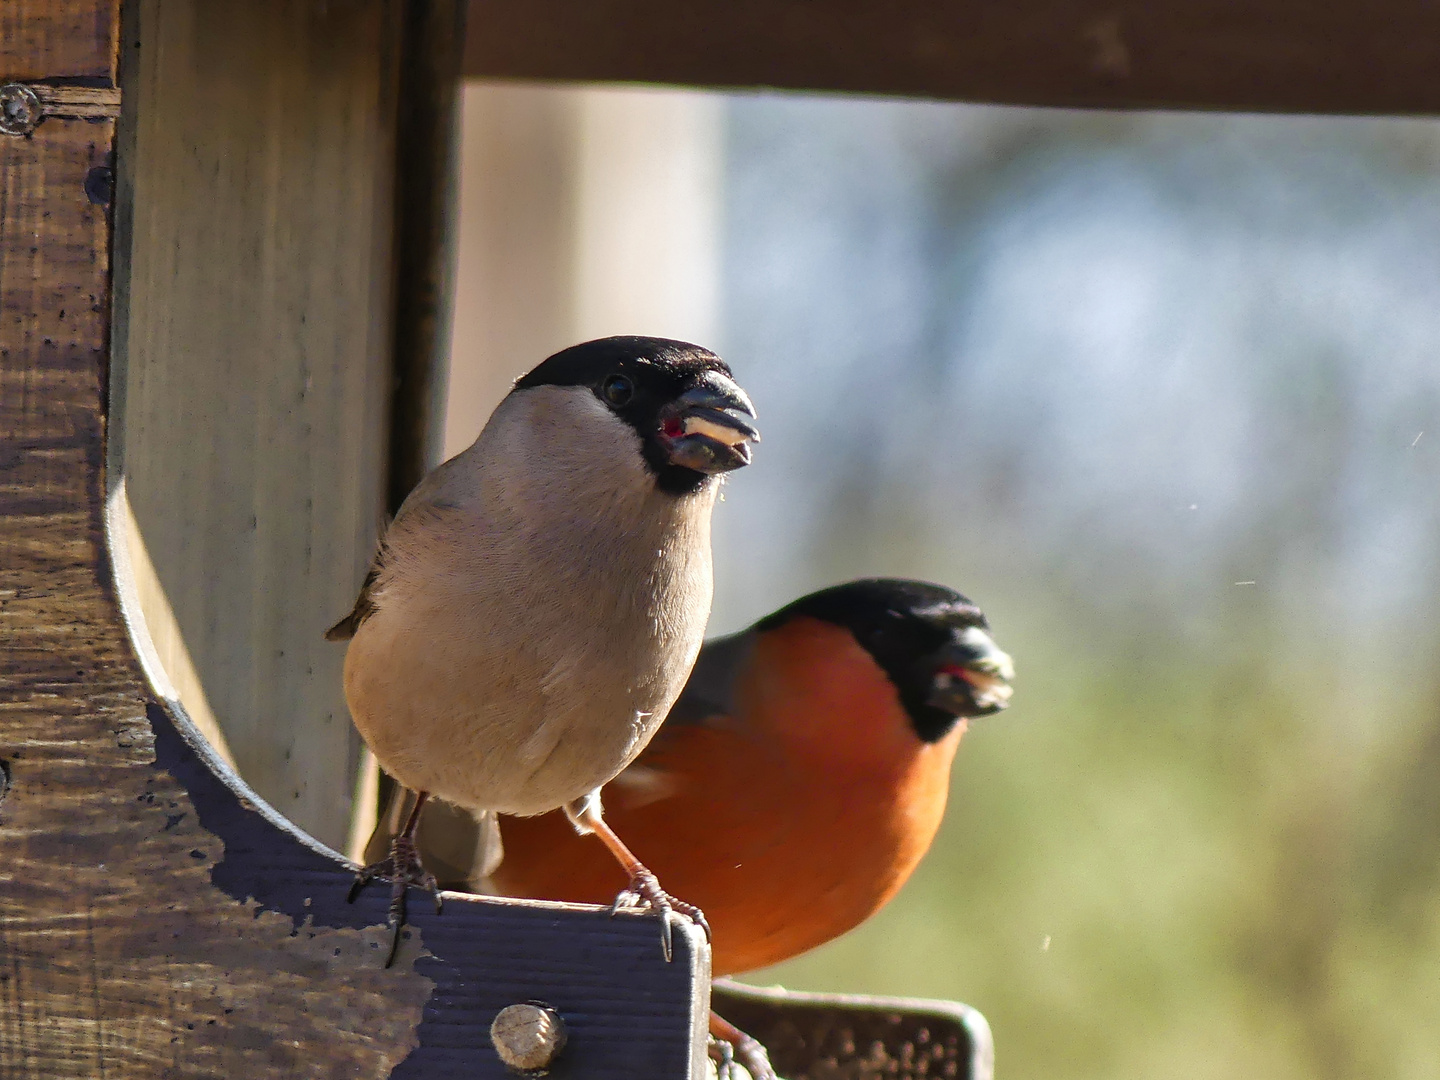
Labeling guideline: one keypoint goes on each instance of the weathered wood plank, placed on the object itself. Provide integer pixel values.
(69, 40)
(1268, 55)
(627, 1012)
(252, 381)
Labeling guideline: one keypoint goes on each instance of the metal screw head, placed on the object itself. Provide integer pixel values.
(19, 109)
(528, 1037)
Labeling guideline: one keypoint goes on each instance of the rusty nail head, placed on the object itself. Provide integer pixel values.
(19, 109)
(528, 1037)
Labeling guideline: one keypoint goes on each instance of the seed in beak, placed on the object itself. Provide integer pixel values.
(989, 689)
(699, 425)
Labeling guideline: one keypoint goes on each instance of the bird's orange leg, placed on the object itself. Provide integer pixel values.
(730, 1043)
(585, 814)
(402, 869)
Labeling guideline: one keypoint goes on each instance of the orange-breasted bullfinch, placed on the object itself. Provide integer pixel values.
(800, 777)
(536, 605)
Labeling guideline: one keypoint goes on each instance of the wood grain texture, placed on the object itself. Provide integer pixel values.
(252, 381)
(155, 918)
(79, 102)
(1269, 55)
(59, 40)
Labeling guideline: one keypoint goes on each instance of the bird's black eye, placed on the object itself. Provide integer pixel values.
(617, 389)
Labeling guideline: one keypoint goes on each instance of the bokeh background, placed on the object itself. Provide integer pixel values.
(1162, 393)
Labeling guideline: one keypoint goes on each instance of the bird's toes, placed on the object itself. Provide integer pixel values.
(403, 870)
(751, 1053)
(746, 1052)
(366, 874)
(645, 890)
(362, 878)
(626, 900)
(694, 914)
(722, 1053)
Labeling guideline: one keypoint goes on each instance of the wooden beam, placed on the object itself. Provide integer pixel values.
(1264, 55)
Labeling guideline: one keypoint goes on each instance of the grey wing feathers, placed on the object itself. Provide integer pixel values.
(345, 629)
(426, 493)
(710, 690)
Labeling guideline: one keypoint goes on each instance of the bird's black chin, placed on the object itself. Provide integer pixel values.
(684, 465)
(932, 724)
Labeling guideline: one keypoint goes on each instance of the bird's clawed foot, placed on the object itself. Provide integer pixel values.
(737, 1046)
(722, 1053)
(645, 891)
(402, 869)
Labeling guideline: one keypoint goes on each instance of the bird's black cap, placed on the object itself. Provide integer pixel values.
(588, 363)
(905, 626)
(659, 371)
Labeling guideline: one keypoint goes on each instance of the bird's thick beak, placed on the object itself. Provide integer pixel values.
(709, 428)
(973, 675)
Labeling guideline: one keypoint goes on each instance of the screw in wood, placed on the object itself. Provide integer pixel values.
(528, 1037)
(20, 109)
